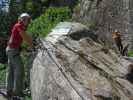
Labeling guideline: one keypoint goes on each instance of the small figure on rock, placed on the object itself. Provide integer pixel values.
(116, 35)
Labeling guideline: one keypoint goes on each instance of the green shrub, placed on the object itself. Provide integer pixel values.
(42, 26)
(28, 98)
(2, 74)
(130, 53)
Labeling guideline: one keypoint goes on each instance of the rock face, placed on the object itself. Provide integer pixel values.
(108, 15)
(73, 66)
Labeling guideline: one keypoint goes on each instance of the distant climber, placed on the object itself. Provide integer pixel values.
(16, 68)
(116, 35)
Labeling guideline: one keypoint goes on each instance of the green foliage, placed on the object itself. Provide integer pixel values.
(3, 34)
(5, 24)
(28, 98)
(130, 53)
(2, 74)
(43, 24)
(29, 6)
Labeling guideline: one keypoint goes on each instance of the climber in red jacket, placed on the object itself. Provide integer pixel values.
(16, 68)
(116, 35)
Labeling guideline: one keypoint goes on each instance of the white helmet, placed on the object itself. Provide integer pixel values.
(23, 15)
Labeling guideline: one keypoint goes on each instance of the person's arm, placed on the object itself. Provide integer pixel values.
(26, 38)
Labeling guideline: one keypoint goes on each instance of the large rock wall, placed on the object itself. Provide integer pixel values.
(76, 67)
(108, 15)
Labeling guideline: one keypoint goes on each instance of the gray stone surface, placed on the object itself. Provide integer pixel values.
(78, 69)
(106, 16)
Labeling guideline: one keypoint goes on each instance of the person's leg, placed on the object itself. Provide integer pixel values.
(117, 44)
(10, 77)
(10, 80)
(18, 75)
(120, 46)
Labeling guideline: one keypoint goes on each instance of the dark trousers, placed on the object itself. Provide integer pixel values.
(16, 72)
(119, 44)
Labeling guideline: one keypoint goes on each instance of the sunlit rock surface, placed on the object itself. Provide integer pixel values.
(76, 67)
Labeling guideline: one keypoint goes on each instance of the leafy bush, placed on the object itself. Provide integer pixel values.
(28, 98)
(4, 26)
(53, 15)
(2, 73)
(130, 53)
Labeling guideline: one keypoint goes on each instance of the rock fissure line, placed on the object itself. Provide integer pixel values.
(122, 88)
(87, 73)
(105, 74)
(82, 56)
(117, 87)
(61, 70)
(85, 57)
